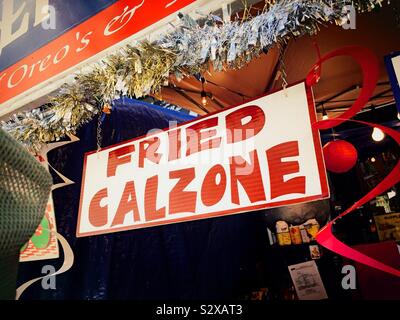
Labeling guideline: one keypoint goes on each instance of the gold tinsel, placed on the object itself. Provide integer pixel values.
(189, 50)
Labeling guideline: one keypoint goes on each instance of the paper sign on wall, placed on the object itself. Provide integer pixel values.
(260, 154)
(307, 281)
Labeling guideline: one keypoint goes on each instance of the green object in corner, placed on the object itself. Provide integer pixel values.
(24, 190)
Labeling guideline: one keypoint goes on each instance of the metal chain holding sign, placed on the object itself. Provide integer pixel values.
(282, 66)
(99, 132)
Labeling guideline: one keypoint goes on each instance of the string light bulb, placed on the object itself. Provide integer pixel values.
(203, 98)
(203, 94)
(324, 114)
(377, 134)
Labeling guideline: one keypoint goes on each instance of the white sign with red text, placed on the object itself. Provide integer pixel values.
(261, 154)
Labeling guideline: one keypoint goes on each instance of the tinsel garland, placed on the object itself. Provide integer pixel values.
(191, 49)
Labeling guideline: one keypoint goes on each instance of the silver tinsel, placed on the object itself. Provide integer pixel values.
(190, 49)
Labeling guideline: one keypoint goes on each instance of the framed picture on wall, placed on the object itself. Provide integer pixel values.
(388, 226)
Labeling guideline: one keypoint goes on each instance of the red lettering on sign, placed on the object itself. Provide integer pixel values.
(180, 200)
(150, 200)
(197, 133)
(127, 204)
(211, 190)
(175, 143)
(148, 150)
(118, 157)
(278, 169)
(98, 215)
(238, 129)
(249, 175)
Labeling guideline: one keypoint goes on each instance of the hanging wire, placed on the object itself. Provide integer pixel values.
(282, 66)
(99, 132)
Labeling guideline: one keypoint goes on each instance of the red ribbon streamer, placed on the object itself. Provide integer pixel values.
(370, 69)
(329, 241)
(314, 77)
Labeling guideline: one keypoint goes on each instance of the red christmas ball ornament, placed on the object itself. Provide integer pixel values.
(340, 156)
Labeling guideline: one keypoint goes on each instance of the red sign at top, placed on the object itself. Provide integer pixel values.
(109, 27)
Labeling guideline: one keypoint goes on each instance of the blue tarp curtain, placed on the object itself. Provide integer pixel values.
(212, 258)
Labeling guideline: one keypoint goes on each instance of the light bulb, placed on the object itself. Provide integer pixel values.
(378, 134)
(203, 98)
(324, 114)
(398, 115)
(391, 194)
(373, 159)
